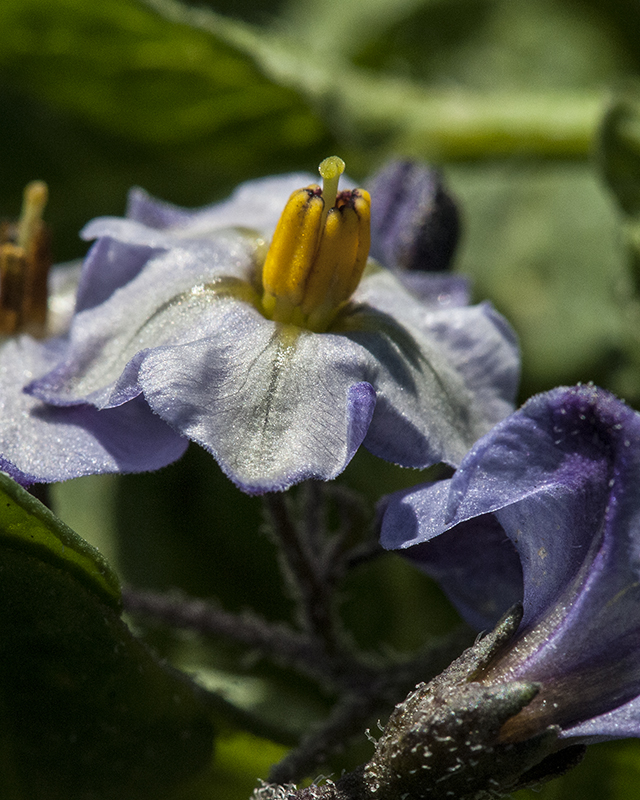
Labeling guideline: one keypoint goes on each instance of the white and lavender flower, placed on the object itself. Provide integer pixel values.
(178, 333)
(545, 509)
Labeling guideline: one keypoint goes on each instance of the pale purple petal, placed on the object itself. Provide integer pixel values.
(439, 290)
(170, 301)
(274, 404)
(443, 377)
(108, 266)
(255, 204)
(40, 443)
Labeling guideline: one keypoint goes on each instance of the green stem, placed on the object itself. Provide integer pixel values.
(405, 116)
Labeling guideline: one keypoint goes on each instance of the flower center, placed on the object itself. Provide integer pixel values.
(24, 266)
(318, 252)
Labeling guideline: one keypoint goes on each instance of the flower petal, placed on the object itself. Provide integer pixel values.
(108, 266)
(439, 290)
(544, 472)
(254, 204)
(40, 443)
(460, 560)
(442, 377)
(170, 301)
(274, 404)
(621, 723)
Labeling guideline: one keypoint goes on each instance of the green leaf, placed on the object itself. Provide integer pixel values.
(27, 525)
(131, 72)
(85, 709)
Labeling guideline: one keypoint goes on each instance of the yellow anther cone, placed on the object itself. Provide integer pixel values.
(318, 252)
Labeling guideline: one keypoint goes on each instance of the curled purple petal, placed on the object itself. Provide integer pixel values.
(560, 479)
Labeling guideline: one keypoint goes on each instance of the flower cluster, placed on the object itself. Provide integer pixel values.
(281, 341)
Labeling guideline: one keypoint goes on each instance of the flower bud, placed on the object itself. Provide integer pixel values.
(415, 221)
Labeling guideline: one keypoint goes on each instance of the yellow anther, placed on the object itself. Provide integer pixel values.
(24, 266)
(318, 252)
(294, 243)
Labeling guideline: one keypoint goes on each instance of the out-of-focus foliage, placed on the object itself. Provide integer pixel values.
(507, 96)
(610, 770)
(86, 710)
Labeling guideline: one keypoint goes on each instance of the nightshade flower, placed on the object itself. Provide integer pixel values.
(280, 359)
(545, 509)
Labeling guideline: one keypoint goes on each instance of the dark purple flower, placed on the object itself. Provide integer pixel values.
(545, 509)
(415, 222)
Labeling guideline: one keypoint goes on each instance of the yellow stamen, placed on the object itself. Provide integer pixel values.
(318, 252)
(11, 287)
(24, 266)
(294, 243)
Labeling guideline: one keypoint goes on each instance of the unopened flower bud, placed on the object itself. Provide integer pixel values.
(415, 222)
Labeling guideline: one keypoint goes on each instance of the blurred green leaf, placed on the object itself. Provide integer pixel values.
(544, 243)
(189, 526)
(241, 760)
(133, 73)
(619, 149)
(95, 98)
(27, 525)
(609, 771)
(507, 44)
(371, 109)
(266, 707)
(86, 710)
(340, 28)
